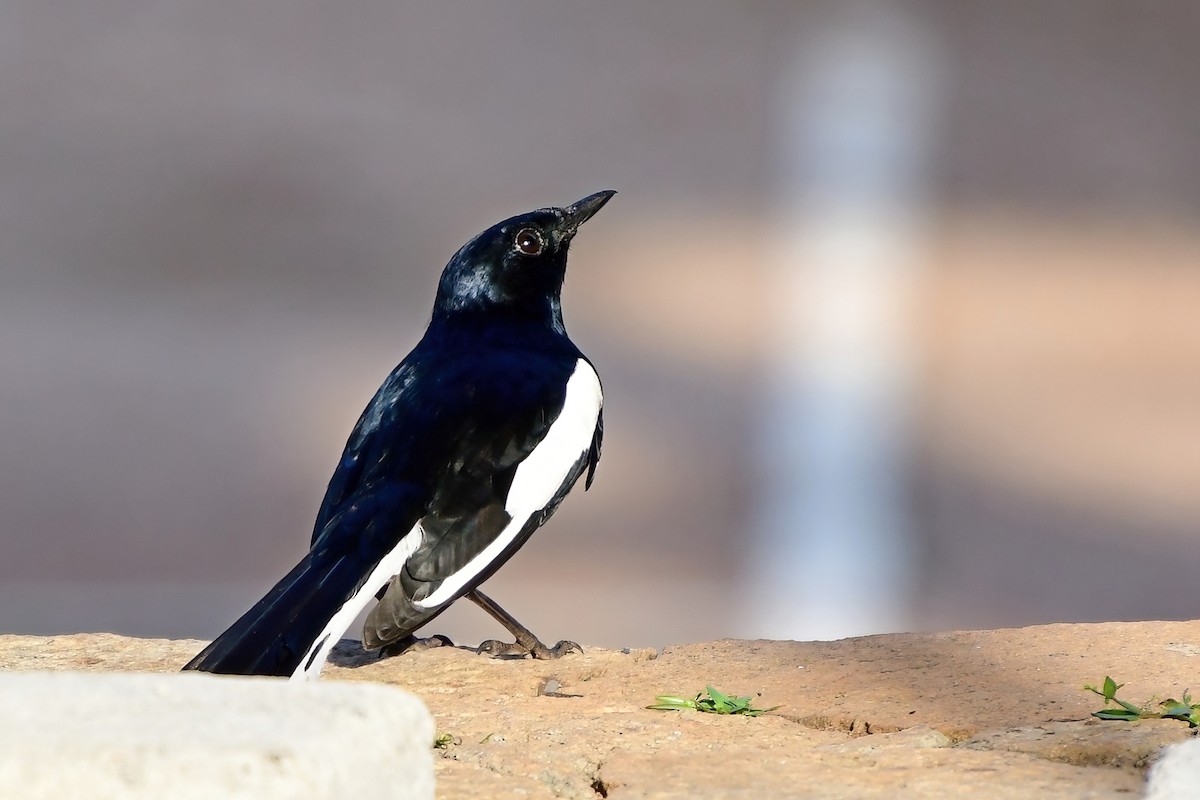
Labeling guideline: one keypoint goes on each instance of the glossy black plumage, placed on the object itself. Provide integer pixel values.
(433, 457)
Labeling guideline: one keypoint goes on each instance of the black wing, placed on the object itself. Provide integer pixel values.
(468, 510)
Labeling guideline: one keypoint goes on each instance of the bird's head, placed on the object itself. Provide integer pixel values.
(517, 265)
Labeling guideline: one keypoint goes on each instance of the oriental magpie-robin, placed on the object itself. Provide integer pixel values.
(468, 447)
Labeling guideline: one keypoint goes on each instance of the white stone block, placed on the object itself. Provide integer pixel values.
(190, 735)
(1176, 775)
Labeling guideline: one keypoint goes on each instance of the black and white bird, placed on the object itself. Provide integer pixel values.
(467, 448)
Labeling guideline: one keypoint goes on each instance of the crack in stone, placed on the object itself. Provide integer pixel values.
(598, 784)
(855, 726)
(565, 784)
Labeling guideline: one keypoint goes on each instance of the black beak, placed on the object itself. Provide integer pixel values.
(580, 212)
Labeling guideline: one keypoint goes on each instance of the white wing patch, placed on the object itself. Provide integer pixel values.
(539, 476)
(313, 661)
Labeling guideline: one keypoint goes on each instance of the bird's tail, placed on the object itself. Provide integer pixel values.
(291, 631)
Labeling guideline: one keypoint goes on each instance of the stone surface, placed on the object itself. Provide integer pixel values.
(1087, 742)
(134, 736)
(986, 713)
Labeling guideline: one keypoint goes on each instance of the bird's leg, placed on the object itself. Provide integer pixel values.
(526, 643)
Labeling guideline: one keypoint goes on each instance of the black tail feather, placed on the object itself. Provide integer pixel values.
(273, 637)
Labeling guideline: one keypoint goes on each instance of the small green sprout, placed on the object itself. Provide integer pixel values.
(715, 703)
(443, 741)
(1183, 710)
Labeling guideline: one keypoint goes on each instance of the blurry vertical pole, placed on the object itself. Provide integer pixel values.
(832, 552)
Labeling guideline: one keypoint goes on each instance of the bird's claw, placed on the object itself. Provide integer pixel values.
(563, 647)
(411, 644)
(537, 650)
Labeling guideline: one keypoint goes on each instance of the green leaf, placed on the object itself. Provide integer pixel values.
(715, 703)
(670, 703)
(1117, 713)
(1110, 687)
(1173, 708)
(1130, 707)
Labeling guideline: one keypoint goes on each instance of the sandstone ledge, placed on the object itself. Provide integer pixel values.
(984, 713)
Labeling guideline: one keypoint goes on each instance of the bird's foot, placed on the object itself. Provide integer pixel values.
(536, 649)
(526, 643)
(412, 644)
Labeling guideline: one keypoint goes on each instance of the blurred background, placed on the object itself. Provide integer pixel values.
(896, 309)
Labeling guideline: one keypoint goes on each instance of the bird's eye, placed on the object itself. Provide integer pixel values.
(529, 242)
